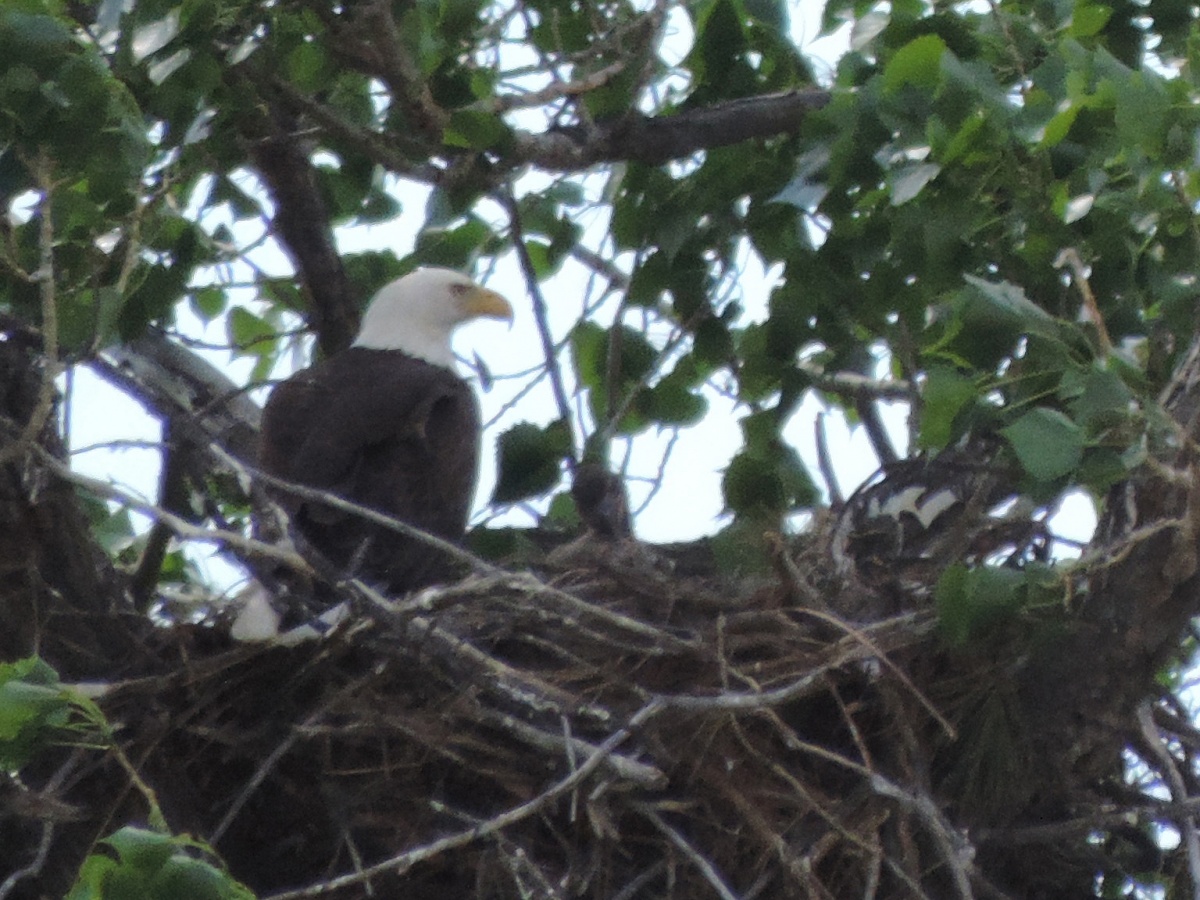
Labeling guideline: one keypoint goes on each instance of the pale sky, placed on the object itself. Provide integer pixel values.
(688, 503)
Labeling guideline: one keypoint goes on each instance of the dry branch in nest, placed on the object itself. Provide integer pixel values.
(606, 728)
(624, 721)
(508, 735)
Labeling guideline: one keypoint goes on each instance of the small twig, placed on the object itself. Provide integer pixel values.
(808, 800)
(35, 865)
(955, 848)
(790, 573)
(183, 529)
(555, 91)
(1108, 817)
(117, 444)
(272, 759)
(402, 862)
(337, 502)
(1069, 257)
(658, 479)
(259, 776)
(825, 463)
(850, 649)
(541, 316)
(377, 147)
(1170, 773)
(601, 266)
(857, 635)
(633, 889)
(44, 276)
(706, 866)
(639, 773)
(854, 384)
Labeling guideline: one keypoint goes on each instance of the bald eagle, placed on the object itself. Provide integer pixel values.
(387, 424)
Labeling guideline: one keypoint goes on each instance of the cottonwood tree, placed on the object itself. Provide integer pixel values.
(982, 215)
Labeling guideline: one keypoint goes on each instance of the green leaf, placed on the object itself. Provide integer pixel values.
(739, 548)
(1103, 400)
(719, 45)
(917, 63)
(1010, 298)
(946, 394)
(588, 343)
(752, 486)
(908, 181)
(208, 303)
(766, 479)
(32, 705)
(154, 865)
(671, 403)
(194, 879)
(89, 318)
(23, 704)
(562, 514)
(772, 13)
(1056, 130)
(248, 332)
(474, 130)
(307, 67)
(590, 349)
(530, 460)
(1047, 443)
(456, 247)
(137, 847)
(1088, 19)
(93, 875)
(951, 602)
(971, 601)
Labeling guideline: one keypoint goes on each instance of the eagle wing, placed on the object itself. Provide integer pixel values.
(387, 431)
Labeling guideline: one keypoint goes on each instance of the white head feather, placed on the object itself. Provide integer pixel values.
(418, 313)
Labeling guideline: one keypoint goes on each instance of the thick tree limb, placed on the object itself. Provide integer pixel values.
(176, 385)
(1142, 593)
(301, 219)
(634, 138)
(59, 593)
(659, 139)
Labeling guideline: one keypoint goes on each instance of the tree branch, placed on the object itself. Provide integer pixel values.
(658, 139)
(540, 314)
(301, 217)
(648, 139)
(182, 528)
(202, 404)
(44, 276)
(404, 861)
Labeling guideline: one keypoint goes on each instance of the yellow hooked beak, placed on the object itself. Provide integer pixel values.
(480, 302)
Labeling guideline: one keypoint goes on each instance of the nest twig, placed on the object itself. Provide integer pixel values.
(608, 728)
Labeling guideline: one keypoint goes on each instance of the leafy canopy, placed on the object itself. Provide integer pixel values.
(996, 206)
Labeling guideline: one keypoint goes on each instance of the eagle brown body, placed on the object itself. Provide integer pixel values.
(390, 432)
(389, 425)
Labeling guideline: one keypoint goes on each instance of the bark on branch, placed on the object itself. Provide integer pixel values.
(634, 138)
(658, 139)
(302, 219)
(174, 384)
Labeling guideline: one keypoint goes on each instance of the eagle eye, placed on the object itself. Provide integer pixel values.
(459, 289)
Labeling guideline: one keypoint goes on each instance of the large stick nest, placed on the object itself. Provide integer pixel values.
(617, 725)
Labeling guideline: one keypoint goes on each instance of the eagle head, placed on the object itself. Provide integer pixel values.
(417, 314)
